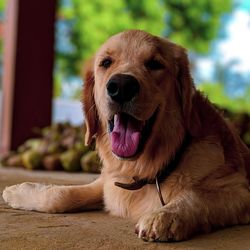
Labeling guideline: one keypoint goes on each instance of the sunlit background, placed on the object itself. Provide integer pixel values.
(216, 34)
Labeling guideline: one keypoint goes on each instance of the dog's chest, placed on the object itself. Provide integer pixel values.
(127, 203)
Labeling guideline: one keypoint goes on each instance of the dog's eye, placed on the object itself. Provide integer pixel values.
(105, 63)
(154, 64)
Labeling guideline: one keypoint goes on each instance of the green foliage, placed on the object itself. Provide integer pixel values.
(2, 5)
(216, 94)
(57, 86)
(194, 24)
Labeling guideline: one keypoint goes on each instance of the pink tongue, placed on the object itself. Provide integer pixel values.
(125, 137)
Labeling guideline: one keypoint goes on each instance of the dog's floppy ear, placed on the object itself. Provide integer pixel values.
(186, 91)
(185, 85)
(184, 81)
(89, 107)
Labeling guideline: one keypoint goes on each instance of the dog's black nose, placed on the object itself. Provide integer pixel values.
(122, 88)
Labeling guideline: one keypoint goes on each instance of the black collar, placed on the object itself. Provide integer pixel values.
(163, 173)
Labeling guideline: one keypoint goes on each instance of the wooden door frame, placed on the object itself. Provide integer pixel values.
(28, 60)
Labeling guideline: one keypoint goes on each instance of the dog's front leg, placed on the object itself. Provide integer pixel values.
(195, 211)
(53, 198)
(172, 222)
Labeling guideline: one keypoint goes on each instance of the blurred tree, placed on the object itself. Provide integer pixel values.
(2, 7)
(194, 24)
(217, 94)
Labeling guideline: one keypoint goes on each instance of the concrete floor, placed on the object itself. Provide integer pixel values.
(89, 230)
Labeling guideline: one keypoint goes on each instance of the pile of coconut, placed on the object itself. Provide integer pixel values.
(57, 147)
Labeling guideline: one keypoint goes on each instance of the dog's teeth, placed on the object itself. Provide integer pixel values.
(115, 118)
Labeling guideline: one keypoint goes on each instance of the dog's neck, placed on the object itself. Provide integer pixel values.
(163, 173)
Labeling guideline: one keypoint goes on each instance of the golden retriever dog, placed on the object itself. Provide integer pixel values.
(171, 162)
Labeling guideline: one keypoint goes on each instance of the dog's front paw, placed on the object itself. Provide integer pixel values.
(26, 196)
(163, 225)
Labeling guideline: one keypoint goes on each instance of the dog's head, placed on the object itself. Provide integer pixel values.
(136, 86)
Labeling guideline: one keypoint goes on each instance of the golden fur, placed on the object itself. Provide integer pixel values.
(210, 186)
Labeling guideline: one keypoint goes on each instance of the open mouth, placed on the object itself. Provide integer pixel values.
(129, 135)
